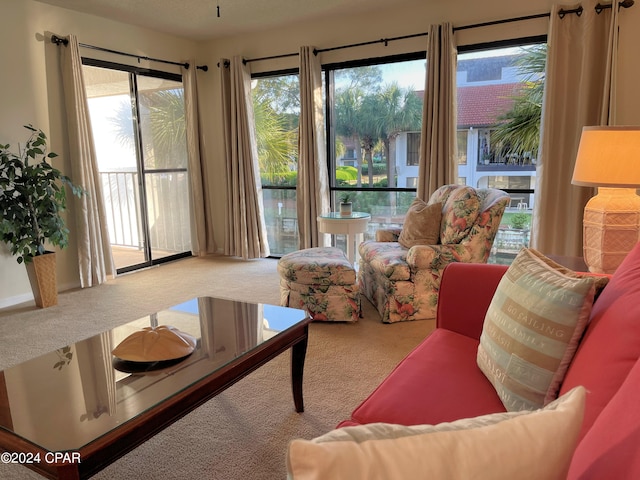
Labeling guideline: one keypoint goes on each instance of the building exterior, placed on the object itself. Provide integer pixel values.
(486, 89)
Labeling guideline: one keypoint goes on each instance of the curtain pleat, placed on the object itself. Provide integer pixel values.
(202, 239)
(94, 249)
(438, 144)
(579, 91)
(246, 234)
(225, 89)
(313, 178)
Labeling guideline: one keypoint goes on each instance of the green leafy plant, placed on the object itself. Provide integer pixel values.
(346, 197)
(32, 198)
(519, 220)
(65, 355)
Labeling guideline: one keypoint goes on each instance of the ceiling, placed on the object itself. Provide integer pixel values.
(198, 20)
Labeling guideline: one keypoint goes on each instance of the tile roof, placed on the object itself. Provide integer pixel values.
(481, 105)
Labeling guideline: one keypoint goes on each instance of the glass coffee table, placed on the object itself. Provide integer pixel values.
(72, 412)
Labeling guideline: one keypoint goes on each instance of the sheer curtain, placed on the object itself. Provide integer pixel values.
(438, 140)
(313, 178)
(202, 240)
(94, 250)
(246, 234)
(579, 91)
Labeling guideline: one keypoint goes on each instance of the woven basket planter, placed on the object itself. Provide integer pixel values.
(42, 276)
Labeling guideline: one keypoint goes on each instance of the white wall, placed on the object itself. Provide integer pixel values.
(31, 88)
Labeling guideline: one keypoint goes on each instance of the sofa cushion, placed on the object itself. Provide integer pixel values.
(388, 258)
(532, 329)
(317, 266)
(459, 213)
(611, 343)
(610, 447)
(421, 224)
(437, 382)
(529, 445)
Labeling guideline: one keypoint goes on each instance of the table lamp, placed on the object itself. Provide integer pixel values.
(609, 158)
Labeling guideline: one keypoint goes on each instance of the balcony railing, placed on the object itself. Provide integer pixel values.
(167, 204)
(122, 205)
(504, 167)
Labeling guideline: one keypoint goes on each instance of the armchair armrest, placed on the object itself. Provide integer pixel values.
(466, 290)
(388, 234)
(436, 257)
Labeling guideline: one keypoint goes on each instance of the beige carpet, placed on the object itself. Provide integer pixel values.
(242, 433)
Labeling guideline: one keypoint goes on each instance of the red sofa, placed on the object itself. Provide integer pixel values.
(439, 381)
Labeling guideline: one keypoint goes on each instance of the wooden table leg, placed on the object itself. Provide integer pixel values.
(298, 355)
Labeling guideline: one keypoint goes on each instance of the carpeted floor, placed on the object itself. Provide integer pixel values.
(243, 432)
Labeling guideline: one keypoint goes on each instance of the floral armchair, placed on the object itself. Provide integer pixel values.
(403, 282)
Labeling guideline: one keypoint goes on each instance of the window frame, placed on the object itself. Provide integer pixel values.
(515, 42)
(277, 73)
(328, 70)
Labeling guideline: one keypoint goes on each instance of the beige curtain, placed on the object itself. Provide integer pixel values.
(202, 238)
(313, 177)
(246, 234)
(97, 376)
(438, 157)
(579, 91)
(94, 250)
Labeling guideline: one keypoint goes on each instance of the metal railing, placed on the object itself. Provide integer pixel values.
(122, 205)
(167, 204)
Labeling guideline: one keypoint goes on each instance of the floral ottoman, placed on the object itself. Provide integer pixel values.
(322, 281)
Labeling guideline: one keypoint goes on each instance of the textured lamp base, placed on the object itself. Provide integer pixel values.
(611, 228)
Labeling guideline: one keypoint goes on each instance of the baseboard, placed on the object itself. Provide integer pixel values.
(17, 300)
(28, 297)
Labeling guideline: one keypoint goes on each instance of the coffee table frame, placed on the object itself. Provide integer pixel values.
(106, 449)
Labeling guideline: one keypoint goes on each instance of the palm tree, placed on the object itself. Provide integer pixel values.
(353, 112)
(400, 110)
(277, 154)
(346, 111)
(167, 126)
(369, 131)
(518, 133)
(162, 119)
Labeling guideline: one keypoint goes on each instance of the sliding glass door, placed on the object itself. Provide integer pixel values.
(139, 131)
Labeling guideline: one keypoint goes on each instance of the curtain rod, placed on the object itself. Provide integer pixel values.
(60, 40)
(403, 37)
(578, 11)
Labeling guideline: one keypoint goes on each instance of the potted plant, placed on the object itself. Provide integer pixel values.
(346, 207)
(32, 199)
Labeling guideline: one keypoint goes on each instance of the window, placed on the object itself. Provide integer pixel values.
(413, 149)
(140, 138)
(499, 108)
(350, 154)
(276, 105)
(374, 120)
(462, 137)
(373, 114)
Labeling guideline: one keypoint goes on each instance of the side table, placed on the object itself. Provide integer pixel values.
(353, 226)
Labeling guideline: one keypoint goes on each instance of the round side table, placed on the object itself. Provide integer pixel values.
(353, 226)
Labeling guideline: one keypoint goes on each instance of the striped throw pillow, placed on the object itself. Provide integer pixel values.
(532, 329)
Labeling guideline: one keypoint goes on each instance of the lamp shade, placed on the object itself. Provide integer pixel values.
(608, 157)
